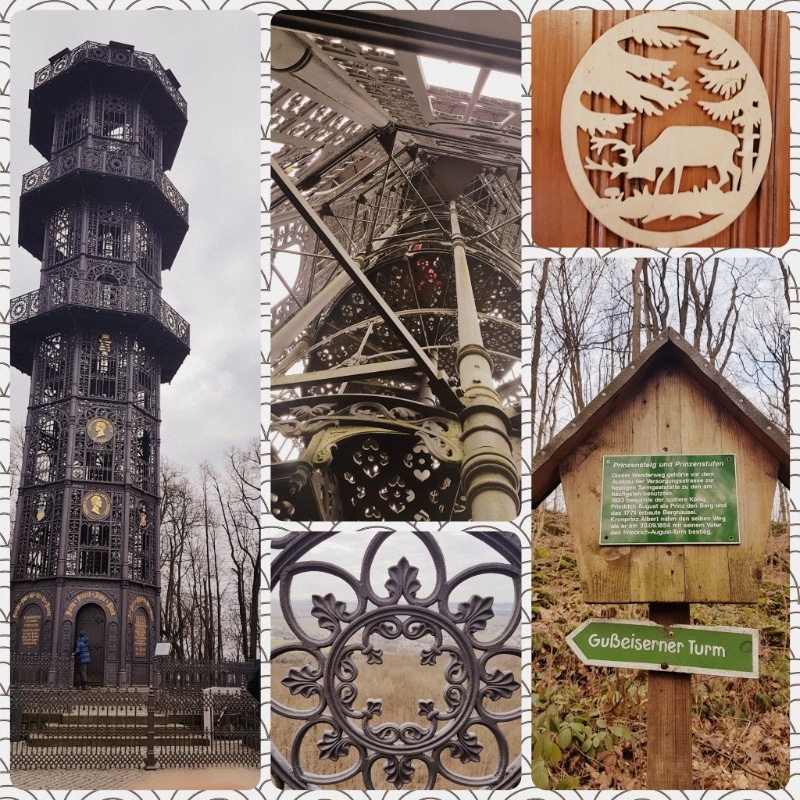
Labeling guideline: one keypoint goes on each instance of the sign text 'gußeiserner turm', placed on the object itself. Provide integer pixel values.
(674, 499)
(709, 650)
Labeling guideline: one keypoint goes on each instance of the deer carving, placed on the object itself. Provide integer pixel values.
(673, 149)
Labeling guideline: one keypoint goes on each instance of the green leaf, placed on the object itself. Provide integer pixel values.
(540, 775)
(565, 737)
(568, 782)
(621, 732)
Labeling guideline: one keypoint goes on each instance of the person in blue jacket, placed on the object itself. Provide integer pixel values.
(82, 656)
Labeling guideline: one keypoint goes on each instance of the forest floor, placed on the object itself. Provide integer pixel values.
(590, 723)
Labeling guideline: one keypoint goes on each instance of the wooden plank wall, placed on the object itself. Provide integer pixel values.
(559, 41)
(670, 414)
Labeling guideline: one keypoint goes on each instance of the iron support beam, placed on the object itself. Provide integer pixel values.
(282, 339)
(496, 49)
(439, 382)
(489, 472)
(311, 179)
(421, 199)
(321, 377)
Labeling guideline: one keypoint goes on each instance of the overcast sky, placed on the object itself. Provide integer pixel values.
(213, 402)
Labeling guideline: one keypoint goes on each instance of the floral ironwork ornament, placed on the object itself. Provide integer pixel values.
(676, 67)
(358, 633)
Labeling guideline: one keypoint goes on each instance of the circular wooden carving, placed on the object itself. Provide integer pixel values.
(701, 100)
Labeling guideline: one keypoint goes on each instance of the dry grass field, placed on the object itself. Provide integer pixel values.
(400, 682)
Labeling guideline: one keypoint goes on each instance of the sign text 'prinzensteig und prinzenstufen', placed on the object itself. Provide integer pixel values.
(657, 499)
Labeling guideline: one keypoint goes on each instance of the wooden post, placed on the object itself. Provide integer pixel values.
(669, 715)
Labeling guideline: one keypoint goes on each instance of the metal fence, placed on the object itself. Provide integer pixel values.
(40, 670)
(203, 674)
(57, 726)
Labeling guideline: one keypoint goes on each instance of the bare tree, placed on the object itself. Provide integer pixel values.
(15, 467)
(238, 499)
(588, 312)
(180, 515)
(540, 275)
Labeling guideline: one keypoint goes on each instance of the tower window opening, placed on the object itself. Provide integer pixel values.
(143, 463)
(94, 534)
(144, 446)
(45, 467)
(93, 557)
(110, 231)
(52, 367)
(103, 380)
(99, 465)
(149, 138)
(73, 125)
(116, 116)
(145, 378)
(141, 545)
(61, 238)
(93, 562)
(144, 391)
(109, 240)
(38, 560)
(148, 249)
(94, 539)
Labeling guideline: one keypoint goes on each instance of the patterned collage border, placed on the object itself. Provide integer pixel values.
(265, 9)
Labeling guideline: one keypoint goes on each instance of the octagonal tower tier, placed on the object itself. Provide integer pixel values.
(97, 340)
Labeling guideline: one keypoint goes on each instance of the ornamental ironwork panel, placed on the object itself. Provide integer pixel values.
(40, 524)
(109, 160)
(60, 727)
(93, 51)
(412, 684)
(99, 295)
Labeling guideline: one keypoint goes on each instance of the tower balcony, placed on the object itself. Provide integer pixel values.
(91, 65)
(95, 168)
(150, 319)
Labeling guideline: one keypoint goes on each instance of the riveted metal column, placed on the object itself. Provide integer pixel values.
(489, 473)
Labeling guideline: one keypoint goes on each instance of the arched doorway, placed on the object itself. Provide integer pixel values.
(91, 620)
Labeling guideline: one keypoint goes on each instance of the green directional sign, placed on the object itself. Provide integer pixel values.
(677, 648)
(675, 499)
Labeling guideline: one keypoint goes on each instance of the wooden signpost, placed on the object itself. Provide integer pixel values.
(653, 472)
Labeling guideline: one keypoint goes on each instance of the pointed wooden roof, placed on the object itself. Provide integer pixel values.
(668, 346)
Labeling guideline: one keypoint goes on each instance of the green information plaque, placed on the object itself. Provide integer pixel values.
(669, 500)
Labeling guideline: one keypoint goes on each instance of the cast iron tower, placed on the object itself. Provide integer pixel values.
(97, 340)
(396, 352)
